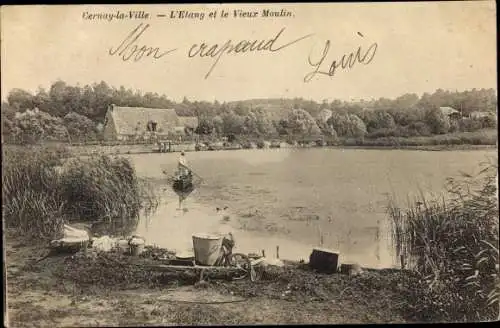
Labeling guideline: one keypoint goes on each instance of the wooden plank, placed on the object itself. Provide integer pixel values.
(184, 267)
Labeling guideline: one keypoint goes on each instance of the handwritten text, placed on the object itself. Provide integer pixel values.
(345, 63)
(129, 48)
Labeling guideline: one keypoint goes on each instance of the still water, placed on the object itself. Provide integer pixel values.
(298, 199)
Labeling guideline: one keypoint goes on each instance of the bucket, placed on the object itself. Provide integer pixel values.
(136, 250)
(207, 248)
(136, 246)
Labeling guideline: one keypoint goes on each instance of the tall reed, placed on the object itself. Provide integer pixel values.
(452, 243)
(30, 197)
(42, 189)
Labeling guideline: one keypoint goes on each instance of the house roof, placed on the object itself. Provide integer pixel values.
(448, 110)
(130, 120)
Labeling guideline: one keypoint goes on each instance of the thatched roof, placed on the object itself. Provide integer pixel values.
(130, 120)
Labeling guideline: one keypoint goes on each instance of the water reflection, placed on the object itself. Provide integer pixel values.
(298, 194)
(115, 228)
(173, 229)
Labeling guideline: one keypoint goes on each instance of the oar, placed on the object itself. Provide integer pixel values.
(197, 175)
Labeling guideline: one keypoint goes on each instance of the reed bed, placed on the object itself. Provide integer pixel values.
(452, 244)
(43, 188)
(30, 197)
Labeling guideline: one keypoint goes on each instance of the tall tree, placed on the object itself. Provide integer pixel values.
(20, 99)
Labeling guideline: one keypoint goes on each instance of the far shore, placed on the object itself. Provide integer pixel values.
(147, 149)
(87, 150)
(422, 148)
(484, 139)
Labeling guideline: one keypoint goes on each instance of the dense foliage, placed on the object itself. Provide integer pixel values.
(76, 113)
(452, 244)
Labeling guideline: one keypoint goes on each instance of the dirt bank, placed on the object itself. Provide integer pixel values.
(40, 294)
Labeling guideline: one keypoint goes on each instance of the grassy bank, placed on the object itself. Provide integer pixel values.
(452, 245)
(43, 188)
(482, 137)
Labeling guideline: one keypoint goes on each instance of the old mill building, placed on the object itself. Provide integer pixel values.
(140, 123)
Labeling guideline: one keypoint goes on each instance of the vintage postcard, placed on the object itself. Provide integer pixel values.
(232, 164)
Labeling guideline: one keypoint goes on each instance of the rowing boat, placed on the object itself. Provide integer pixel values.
(183, 184)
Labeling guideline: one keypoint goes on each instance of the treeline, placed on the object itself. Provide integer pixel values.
(68, 112)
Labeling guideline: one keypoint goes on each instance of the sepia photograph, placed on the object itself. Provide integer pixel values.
(243, 164)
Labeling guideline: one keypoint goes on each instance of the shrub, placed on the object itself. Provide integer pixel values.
(33, 126)
(378, 119)
(470, 125)
(453, 246)
(384, 132)
(80, 127)
(420, 129)
(348, 125)
(438, 122)
(300, 122)
(488, 122)
(454, 126)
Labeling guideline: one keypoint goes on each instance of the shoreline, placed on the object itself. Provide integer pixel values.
(87, 150)
(422, 147)
(347, 147)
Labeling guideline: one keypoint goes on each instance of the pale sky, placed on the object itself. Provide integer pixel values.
(420, 47)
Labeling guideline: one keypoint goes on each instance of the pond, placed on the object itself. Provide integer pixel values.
(298, 198)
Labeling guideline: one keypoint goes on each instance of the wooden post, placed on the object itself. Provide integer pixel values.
(277, 252)
(377, 237)
(320, 235)
(263, 253)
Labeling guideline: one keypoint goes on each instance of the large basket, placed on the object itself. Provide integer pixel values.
(207, 248)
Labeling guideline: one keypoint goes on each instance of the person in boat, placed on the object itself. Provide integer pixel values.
(182, 166)
(183, 172)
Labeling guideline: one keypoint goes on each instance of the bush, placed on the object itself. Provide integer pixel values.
(40, 192)
(454, 126)
(34, 126)
(438, 122)
(348, 125)
(80, 127)
(453, 246)
(379, 133)
(300, 122)
(488, 122)
(378, 119)
(470, 125)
